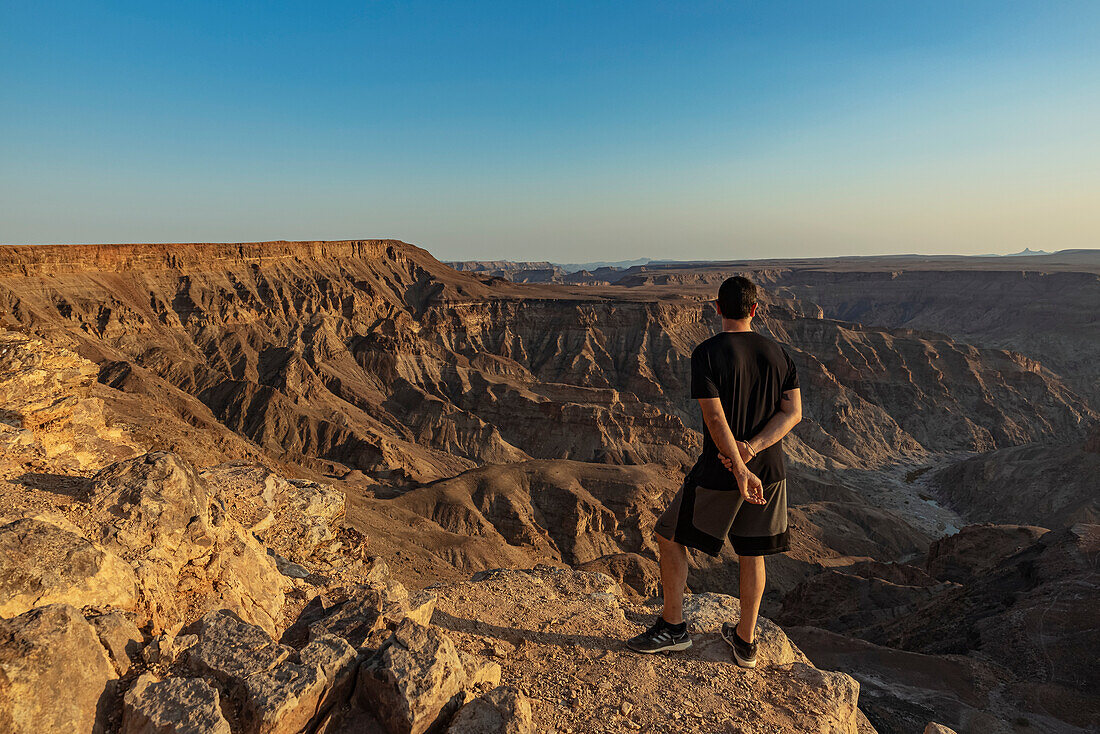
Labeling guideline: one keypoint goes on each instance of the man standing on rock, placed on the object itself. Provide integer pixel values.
(747, 388)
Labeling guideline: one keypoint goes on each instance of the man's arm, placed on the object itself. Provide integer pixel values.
(715, 419)
(780, 424)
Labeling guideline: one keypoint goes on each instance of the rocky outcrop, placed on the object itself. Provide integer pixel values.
(65, 414)
(53, 409)
(554, 635)
(372, 607)
(295, 518)
(166, 549)
(230, 649)
(121, 638)
(276, 688)
(558, 634)
(187, 550)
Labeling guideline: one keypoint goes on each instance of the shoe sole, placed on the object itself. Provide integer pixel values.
(741, 662)
(669, 648)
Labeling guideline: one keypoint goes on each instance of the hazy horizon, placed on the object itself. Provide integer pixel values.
(641, 259)
(572, 133)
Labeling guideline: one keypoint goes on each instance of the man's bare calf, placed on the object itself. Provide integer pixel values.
(674, 579)
(674, 571)
(752, 578)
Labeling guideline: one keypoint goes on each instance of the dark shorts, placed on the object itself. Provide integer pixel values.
(703, 518)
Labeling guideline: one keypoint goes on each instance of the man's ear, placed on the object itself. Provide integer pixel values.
(752, 310)
(717, 307)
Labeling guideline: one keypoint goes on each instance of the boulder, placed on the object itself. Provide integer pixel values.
(480, 673)
(822, 701)
(176, 532)
(503, 710)
(54, 674)
(230, 649)
(249, 490)
(934, 728)
(291, 697)
(172, 706)
(322, 504)
(278, 690)
(370, 607)
(413, 679)
(41, 563)
(336, 661)
(121, 638)
(282, 700)
(421, 607)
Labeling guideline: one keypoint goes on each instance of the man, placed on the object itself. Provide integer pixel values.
(747, 388)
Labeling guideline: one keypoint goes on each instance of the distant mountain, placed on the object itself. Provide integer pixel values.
(1028, 251)
(513, 265)
(574, 267)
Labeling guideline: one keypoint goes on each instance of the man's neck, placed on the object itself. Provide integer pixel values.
(737, 324)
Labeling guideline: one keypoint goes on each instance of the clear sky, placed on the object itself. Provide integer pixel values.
(568, 131)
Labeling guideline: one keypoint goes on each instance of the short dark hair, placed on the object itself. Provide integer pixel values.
(736, 297)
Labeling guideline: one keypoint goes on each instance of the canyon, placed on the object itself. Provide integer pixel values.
(471, 460)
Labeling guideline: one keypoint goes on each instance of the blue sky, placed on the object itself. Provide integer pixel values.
(555, 130)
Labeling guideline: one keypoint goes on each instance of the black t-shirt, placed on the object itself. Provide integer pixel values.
(750, 373)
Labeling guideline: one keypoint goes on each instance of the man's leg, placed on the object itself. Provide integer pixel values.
(669, 631)
(674, 571)
(752, 591)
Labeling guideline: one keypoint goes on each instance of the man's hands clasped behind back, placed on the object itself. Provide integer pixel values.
(750, 486)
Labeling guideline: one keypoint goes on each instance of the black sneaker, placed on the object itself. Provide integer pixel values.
(743, 652)
(660, 637)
